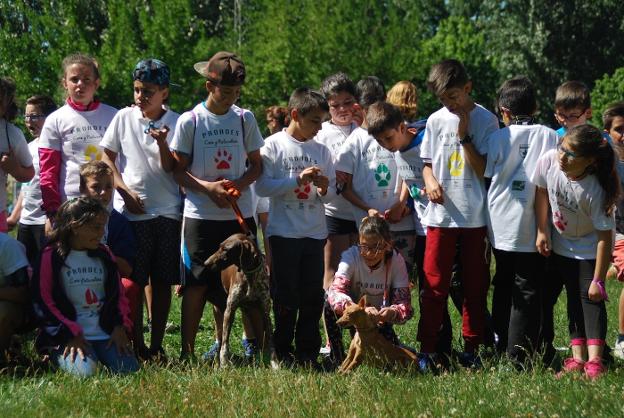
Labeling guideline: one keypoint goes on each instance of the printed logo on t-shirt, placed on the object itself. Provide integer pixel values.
(524, 149)
(222, 159)
(456, 164)
(303, 192)
(559, 221)
(92, 153)
(517, 185)
(382, 175)
(90, 297)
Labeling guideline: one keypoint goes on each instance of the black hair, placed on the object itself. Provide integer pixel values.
(337, 83)
(588, 142)
(369, 90)
(518, 96)
(306, 100)
(72, 213)
(446, 75)
(382, 116)
(613, 111)
(379, 227)
(571, 95)
(44, 103)
(7, 94)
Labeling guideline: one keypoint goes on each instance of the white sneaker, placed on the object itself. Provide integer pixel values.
(326, 350)
(618, 349)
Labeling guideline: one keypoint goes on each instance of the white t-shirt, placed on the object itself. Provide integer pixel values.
(20, 149)
(77, 135)
(32, 214)
(296, 211)
(371, 283)
(463, 190)
(218, 151)
(619, 214)
(374, 176)
(333, 137)
(410, 167)
(577, 209)
(511, 159)
(139, 163)
(12, 258)
(83, 282)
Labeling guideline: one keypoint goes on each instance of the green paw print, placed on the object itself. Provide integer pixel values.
(382, 175)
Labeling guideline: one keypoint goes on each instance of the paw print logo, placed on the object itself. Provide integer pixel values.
(382, 175)
(90, 297)
(559, 222)
(223, 159)
(92, 153)
(303, 192)
(456, 164)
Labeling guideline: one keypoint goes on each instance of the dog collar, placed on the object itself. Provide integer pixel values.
(255, 269)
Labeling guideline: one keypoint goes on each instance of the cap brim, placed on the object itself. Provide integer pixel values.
(201, 67)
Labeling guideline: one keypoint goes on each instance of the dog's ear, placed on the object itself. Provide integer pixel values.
(362, 302)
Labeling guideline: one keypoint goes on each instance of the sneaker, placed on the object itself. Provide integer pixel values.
(594, 369)
(618, 348)
(250, 347)
(325, 350)
(470, 360)
(213, 352)
(571, 365)
(426, 363)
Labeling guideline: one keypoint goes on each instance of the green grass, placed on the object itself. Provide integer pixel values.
(200, 390)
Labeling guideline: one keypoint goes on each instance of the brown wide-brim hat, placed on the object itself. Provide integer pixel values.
(223, 68)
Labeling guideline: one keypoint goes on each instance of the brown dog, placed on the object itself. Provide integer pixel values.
(368, 345)
(247, 285)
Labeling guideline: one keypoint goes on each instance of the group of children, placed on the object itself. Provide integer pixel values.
(359, 193)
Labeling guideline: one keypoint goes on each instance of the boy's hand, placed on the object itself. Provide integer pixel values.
(308, 175)
(396, 212)
(464, 123)
(8, 162)
(133, 202)
(542, 243)
(434, 191)
(372, 212)
(120, 339)
(76, 346)
(160, 135)
(217, 192)
(322, 183)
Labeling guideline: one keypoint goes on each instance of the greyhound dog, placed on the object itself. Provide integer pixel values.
(368, 345)
(246, 282)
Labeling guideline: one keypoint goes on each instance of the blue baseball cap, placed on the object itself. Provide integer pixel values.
(151, 71)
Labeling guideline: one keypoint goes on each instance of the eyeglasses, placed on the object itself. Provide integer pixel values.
(346, 104)
(571, 117)
(33, 117)
(365, 249)
(569, 154)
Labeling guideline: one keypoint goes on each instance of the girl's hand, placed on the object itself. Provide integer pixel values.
(308, 175)
(120, 339)
(76, 346)
(596, 293)
(543, 244)
(372, 312)
(387, 315)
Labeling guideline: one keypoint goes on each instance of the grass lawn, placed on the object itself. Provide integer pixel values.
(200, 390)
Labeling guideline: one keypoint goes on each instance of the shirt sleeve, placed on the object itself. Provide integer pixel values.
(425, 146)
(481, 140)
(539, 175)
(111, 139)
(346, 156)
(12, 258)
(339, 292)
(268, 185)
(253, 138)
(400, 297)
(600, 219)
(20, 147)
(184, 133)
(493, 155)
(330, 172)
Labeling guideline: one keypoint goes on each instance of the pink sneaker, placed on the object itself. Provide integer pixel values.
(594, 369)
(571, 365)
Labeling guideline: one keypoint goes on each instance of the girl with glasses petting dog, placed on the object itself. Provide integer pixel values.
(372, 268)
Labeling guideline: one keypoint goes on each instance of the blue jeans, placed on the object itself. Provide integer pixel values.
(96, 354)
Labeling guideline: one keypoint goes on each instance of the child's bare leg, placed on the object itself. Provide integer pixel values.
(148, 300)
(579, 352)
(161, 297)
(193, 302)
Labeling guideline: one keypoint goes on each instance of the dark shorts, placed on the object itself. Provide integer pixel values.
(337, 226)
(33, 238)
(157, 251)
(201, 240)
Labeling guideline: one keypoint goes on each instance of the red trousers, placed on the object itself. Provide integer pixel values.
(439, 257)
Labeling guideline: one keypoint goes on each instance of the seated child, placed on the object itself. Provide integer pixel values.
(373, 269)
(14, 297)
(79, 297)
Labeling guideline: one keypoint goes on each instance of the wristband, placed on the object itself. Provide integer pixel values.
(601, 286)
(466, 140)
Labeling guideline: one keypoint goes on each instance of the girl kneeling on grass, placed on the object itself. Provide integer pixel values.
(579, 183)
(78, 295)
(375, 270)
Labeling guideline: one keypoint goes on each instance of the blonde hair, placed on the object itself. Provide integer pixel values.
(404, 95)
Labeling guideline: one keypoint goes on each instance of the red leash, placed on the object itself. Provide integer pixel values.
(235, 193)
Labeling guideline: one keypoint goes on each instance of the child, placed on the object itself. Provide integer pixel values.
(71, 135)
(404, 96)
(28, 210)
(613, 123)
(14, 297)
(578, 184)
(276, 118)
(211, 145)
(511, 158)
(339, 91)
(375, 270)
(14, 156)
(298, 176)
(78, 295)
(371, 182)
(453, 150)
(572, 105)
(138, 141)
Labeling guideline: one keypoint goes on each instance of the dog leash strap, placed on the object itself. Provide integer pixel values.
(385, 295)
(233, 191)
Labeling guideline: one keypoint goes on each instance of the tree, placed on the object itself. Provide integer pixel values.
(608, 89)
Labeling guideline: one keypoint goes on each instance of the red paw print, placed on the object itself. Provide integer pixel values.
(223, 159)
(303, 192)
(559, 222)
(90, 297)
